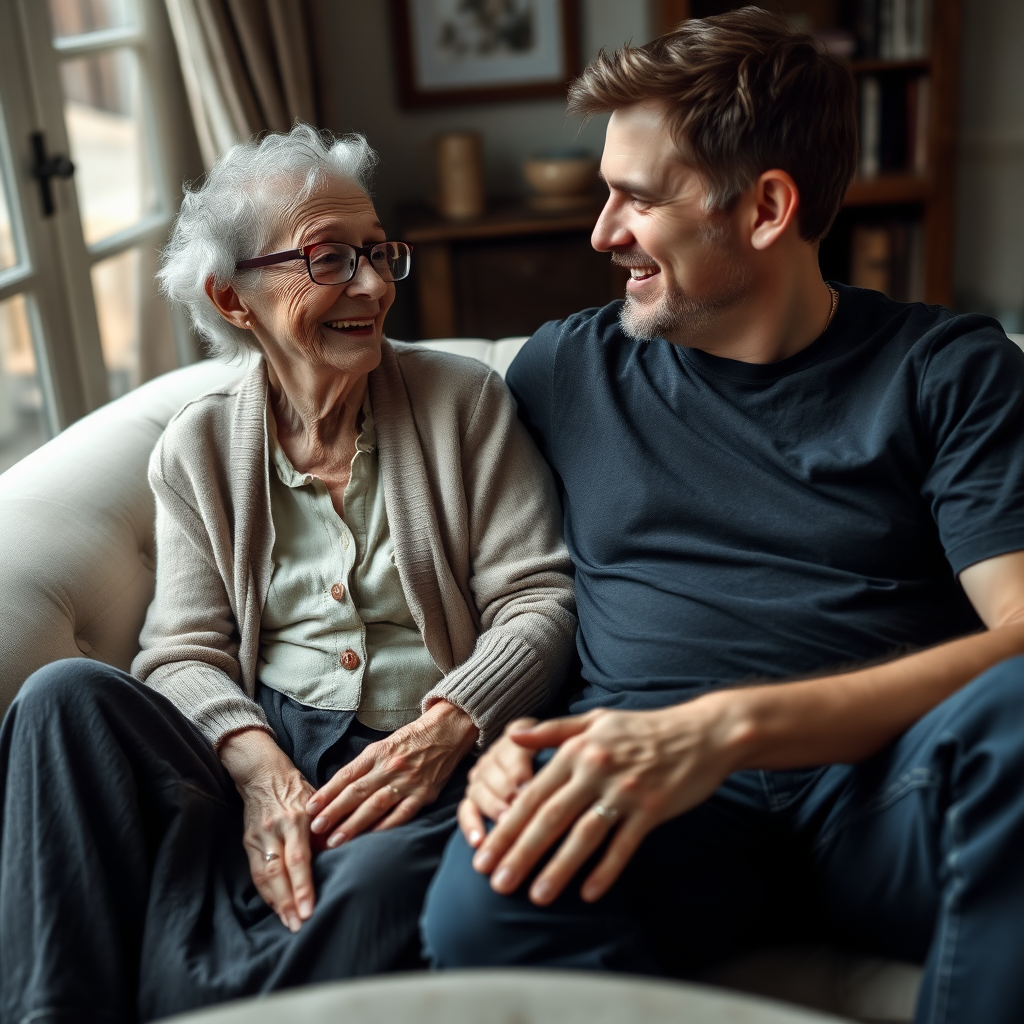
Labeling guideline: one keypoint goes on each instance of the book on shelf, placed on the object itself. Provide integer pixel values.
(889, 258)
(894, 29)
(894, 112)
(870, 126)
(918, 116)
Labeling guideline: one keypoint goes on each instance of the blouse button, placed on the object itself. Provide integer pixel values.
(337, 592)
(350, 659)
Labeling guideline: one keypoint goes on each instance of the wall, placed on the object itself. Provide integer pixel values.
(989, 269)
(355, 64)
(355, 61)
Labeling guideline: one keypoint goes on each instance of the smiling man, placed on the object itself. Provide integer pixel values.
(796, 513)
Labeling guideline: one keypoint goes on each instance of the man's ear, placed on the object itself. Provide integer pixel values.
(229, 304)
(775, 203)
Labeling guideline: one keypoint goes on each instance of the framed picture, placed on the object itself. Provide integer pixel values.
(484, 51)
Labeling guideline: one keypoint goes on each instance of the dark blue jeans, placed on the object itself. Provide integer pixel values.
(916, 853)
(125, 893)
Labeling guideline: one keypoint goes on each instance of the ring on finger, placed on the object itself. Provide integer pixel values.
(604, 811)
(393, 790)
(268, 856)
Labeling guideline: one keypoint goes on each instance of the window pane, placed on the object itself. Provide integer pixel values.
(109, 147)
(116, 284)
(77, 17)
(8, 253)
(22, 419)
(8, 247)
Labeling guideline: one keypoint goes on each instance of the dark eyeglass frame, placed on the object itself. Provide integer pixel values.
(304, 254)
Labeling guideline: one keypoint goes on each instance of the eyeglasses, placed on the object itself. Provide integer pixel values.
(336, 262)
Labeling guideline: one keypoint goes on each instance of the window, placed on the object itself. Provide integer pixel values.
(94, 142)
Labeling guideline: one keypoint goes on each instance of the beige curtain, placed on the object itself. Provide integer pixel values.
(247, 66)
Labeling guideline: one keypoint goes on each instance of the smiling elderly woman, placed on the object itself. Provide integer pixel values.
(360, 576)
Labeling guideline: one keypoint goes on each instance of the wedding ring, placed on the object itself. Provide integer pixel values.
(268, 857)
(608, 813)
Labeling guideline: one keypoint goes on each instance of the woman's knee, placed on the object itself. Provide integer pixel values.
(70, 684)
(377, 876)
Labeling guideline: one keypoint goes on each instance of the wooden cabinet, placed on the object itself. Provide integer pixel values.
(507, 272)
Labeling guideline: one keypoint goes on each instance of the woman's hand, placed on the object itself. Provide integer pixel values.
(276, 823)
(388, 783)
(495, 781)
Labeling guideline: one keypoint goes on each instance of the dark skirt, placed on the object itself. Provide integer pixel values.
(125, 891)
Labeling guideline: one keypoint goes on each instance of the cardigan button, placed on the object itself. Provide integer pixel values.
(338, 592)
(350, 660)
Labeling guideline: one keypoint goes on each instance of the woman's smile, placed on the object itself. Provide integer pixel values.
(355, 327)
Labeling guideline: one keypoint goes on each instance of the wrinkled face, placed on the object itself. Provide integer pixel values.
(335, 325)
(686, 265)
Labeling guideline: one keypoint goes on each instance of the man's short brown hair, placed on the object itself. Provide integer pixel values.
(745, 93)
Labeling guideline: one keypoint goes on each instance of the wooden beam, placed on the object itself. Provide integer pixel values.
(945, 107)
(668, 14)
(435, 287)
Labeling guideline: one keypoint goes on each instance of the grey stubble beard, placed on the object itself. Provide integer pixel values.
(684, 319)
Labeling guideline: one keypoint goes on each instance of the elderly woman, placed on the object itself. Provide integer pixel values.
(360, 577)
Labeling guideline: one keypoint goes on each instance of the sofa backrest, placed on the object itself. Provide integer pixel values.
(76, 524)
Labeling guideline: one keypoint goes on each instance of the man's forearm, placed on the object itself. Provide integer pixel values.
(848, 717)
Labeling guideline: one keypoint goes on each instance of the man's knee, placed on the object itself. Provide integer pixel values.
(1006, 678)
(457, 926)
(982, 718)
(995, 699)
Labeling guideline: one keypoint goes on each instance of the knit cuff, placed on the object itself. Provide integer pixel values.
(210, 700)
(501, 680)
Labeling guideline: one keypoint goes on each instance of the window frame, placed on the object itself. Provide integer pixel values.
(55, 269)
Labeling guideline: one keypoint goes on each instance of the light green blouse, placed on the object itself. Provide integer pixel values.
(336, 631)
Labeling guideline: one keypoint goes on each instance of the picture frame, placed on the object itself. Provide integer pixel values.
(484, 51)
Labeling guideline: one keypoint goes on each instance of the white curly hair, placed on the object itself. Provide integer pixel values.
(237, 210)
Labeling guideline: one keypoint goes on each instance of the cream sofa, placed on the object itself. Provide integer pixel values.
(76, 576)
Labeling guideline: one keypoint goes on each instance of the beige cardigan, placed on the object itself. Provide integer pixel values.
(474, 516)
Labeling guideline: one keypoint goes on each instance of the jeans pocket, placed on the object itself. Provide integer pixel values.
(783, 788)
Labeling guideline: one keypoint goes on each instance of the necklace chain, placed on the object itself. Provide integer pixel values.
(835, 306)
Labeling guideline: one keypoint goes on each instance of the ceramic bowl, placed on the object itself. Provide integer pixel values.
(561, 179)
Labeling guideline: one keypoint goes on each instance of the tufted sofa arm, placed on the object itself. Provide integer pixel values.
(76, 517)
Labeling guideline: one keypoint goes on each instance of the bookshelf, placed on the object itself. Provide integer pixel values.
(895, 231)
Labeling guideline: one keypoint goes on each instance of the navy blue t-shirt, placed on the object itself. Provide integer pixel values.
(731, 521)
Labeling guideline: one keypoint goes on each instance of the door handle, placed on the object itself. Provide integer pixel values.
(45, 168)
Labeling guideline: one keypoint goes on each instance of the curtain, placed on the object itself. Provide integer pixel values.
(247, 66)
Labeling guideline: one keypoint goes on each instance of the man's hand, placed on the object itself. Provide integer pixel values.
(625, 772)
(495, 781)
(388, 783)
(276, 836)
(615, 772)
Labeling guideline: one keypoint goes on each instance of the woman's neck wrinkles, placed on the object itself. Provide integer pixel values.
(317, 410)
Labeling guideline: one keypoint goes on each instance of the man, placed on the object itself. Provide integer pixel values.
(796, 512)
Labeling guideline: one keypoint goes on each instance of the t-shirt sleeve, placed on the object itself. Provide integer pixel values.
(972, 408)
(530, 378)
